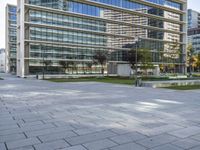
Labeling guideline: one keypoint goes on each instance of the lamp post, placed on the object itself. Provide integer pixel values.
(136, 62)
(190, 64)
(43, 65)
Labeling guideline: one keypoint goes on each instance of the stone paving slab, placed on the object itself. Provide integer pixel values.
(25, 148)
(90, 137)
(186, 143)
(42, 115)
(22, 143)
(101, 144)
(57, 136)
(167, 147)
(78, 147)
(52, 130)
(12, 137)
(186, 132)
(129, 146)
(127, 138)
(154, 141)
(196, 137)
(57, 144)
(195, 148)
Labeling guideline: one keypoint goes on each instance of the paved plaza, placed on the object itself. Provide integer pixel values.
(42, 115)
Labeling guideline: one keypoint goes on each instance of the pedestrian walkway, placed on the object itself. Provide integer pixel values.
(42, 115)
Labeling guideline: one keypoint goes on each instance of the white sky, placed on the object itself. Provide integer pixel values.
(193, 4)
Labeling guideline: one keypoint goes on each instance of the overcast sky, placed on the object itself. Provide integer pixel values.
(194, 4)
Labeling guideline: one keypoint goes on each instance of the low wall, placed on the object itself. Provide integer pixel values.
(40, 77)
(156, 84)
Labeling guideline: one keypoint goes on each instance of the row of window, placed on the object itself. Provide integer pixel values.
(12, 17)
(133, 5)
(54, 35)
(79, 53)
(70, 5)
(12, 9)
(12, 35)
(66, 21)
(77, 22)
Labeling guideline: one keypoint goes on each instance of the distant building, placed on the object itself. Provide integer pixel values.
(170, 48)
(124, 29)
(193, 19)
(194, 39)
(11, 38)
(2, 60)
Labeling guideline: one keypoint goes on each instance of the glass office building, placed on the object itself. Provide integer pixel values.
(75, 30)
(11, 38)
(193, 19)
(194, 30)
(194, 39)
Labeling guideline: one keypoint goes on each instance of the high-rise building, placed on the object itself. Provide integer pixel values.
(194, 39)
(193, 19)
(11, 38)
(123, 29)
(194, 30)
(170, 48)
(74, 30)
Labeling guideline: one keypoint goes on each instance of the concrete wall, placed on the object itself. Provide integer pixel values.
(7, 64)
(124, 70)
(2, 62)
(112, 68)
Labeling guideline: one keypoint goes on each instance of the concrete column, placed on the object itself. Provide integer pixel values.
(7, 62)
(184, 38)
(156, 70)
(21, 38)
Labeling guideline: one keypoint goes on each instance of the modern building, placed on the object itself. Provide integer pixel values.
(194, 30)
(170, 48)
(194, 39)
(123, 29)
(74, 30)
(2, 60)
(11, 38)
(193, 19)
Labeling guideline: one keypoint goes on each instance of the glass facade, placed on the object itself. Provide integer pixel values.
(194, 39)
(11, 37)
(193, 19)
(74, 30)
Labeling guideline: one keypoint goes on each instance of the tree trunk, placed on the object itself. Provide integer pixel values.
(65, 70)
(102, 70)
(146, 72)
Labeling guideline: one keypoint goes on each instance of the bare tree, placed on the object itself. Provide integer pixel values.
(89, 65)
(73, 66)
(100, 58)
(47, 63)
(132, 57)
(65, 65)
